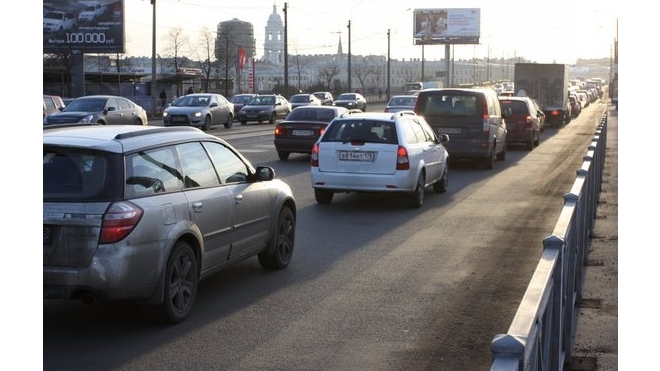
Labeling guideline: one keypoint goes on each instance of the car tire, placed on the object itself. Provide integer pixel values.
(207, 123)
(502, 155)
(416, 199)
(243, 122)
(272, 118)
(322, 196)
(441, 185)
(280, 248)
(229, 122)
(530, 143)
(283, 155)
(489, 162)
(180, 284)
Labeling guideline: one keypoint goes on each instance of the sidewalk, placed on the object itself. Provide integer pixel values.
(595, 346)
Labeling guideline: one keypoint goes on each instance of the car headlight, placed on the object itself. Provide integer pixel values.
(197, 114)
(165, 114)
(87, 119)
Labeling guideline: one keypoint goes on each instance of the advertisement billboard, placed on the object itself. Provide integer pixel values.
(446, 26)
(95, 26)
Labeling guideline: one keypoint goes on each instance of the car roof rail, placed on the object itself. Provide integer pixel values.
(137, 133)
(404, 112)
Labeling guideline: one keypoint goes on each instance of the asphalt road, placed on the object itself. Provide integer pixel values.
(373, 285)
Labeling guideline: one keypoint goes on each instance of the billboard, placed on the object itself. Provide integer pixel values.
(95, 26)
(446, 26)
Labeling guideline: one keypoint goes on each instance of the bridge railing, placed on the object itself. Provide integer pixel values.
(542, 332)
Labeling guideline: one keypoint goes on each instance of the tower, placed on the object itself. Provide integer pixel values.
(274, 43)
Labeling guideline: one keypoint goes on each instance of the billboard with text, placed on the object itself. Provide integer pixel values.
(446, 26)
(94, 26)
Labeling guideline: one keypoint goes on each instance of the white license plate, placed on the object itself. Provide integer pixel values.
(449, 131)
(356, 156)
(303, 132)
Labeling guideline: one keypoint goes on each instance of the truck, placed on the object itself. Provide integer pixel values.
(416, 86)
(548, 84)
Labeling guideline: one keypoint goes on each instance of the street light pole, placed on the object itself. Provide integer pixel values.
(153, 60)
(389, 60)
(349, 56)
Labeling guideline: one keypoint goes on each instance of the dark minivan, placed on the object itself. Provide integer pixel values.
(472, 117)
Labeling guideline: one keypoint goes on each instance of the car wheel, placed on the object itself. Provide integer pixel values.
(280, 249)
(441, 185)
(322, 196)
(502, 155)
(272, 119)
(207, 123)
(530, 143)
(180, 286)
(416, 199)
(243, 122)
(137, 122)
(283, 155)
(229, 122)
(489, 162)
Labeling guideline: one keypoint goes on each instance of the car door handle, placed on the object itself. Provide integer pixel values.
(197, 206)
(238, 199)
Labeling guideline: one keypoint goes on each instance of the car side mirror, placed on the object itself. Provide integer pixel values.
(265, 173)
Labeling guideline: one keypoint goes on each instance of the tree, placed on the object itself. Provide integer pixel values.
(176, 42)
(362, 72)
(327, 74)
(205, 62)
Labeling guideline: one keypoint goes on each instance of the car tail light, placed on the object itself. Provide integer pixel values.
(402, 162)
(280, 130)
(321, 131)
(486, 123)
(528, 121)
(315, 156)
(119, 220)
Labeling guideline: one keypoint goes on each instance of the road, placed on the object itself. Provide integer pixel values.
(373, 285)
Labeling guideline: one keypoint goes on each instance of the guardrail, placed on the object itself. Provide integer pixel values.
(543, 329)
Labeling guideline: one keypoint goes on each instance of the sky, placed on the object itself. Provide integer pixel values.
(562, 33)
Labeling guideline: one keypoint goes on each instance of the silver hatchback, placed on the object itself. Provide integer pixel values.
(144, 213)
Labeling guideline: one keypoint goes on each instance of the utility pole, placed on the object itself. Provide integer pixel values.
(286, 53)
(389, 60)
(349, 56)
(153, 60)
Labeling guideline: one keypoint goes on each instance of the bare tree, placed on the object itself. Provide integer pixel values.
(362, 72)
(65, 59)
(207, 42)
(327, 74)
(176, 42)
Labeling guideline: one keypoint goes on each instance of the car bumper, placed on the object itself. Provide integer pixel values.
(399, 182)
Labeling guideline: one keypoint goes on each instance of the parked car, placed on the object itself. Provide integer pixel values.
(351, 100)
(201, 110)
(59, 21)
(325, 97)
(401, 103)
(298, 132)
(239, 100)
(264, 107)
(522, 121)
(145, 213)
(473, 119)
(100, 109)
(379, 152)
(298, 100)
(52, 104)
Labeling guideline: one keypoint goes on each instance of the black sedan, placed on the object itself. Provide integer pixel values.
(302, 127)
(100, 109)
(351, 101)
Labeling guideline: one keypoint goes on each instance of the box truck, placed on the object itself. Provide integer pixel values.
(548, 84)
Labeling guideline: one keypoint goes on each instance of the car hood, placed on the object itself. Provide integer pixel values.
(68, 117)
(184, 109)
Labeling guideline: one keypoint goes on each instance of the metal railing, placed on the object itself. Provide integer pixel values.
(542, 332)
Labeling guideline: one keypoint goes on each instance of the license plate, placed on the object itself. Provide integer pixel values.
(48, 234)
(449, 131)
(356, 156)
(303, 132)
(178, 119)
(252, 116)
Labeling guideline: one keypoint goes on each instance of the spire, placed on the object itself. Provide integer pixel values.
(339, 50)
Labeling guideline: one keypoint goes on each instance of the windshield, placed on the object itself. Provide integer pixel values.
(300, 99)
(86, 105)
(346, 97)
(240, 98)
(192, 101)
(262, 101)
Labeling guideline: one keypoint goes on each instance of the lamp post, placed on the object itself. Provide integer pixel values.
(389, 61)
(153, 59)
(349, 56)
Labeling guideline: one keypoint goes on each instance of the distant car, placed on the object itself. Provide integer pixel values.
(351, 100)
(145, 213)
(264, 107)
(379, 152)
(299, 100)
(52, 104)
(325, 97)
(201, 110)
(401, 103)
(239, 100)
(92, 12)
(576, 105)
(100, 109)
(59, 21)
(298, 132)
(522, 121)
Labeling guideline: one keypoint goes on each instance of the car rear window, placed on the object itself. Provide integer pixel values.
(516, 107)
(71, 175)
(449, 104)
(361, 130)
